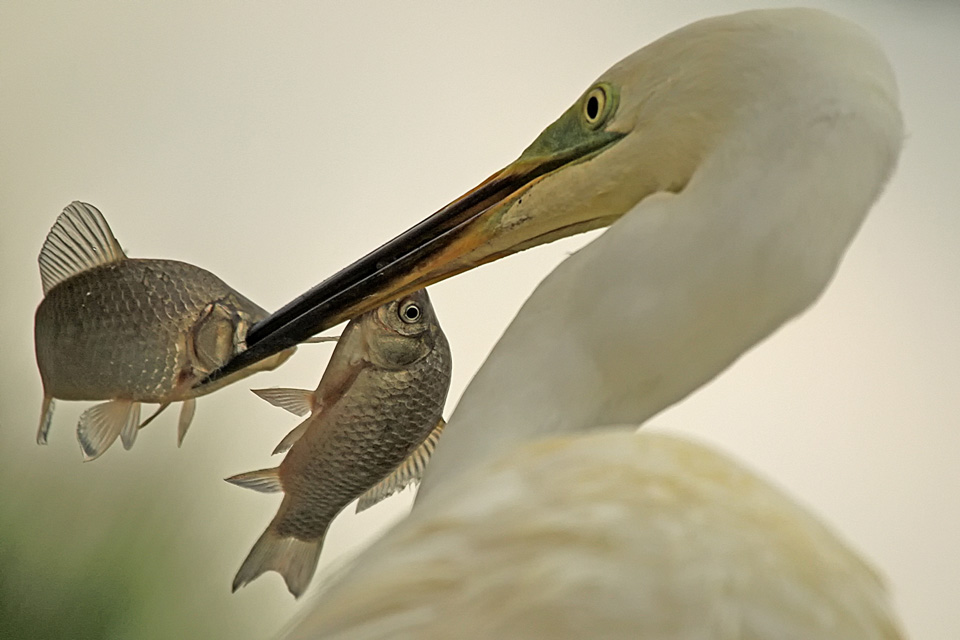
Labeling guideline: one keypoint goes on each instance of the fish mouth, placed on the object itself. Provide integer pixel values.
(470, 231)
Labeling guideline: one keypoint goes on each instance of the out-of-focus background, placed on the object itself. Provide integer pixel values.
(273, 143)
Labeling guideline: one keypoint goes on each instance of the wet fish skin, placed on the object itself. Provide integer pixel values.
(380, 398)
(154, 322)
(128, 330)
(409, 472)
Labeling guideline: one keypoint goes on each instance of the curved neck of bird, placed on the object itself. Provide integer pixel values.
(684, 283)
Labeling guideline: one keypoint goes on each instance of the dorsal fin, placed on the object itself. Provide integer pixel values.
(80, 240)
(407, 473)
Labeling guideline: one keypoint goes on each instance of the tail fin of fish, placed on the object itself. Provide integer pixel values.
(297, 401)
(295, 560)
(409, 471)
(100, 425)
(264, 480)
(46, 416)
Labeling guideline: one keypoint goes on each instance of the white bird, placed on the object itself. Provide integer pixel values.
(735, 158)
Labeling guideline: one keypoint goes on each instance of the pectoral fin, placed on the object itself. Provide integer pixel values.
(100, 425)
(263, 480)
(296, 401)
(346, 363)
(154, 414)
(292, 437)
(187, 411)
(409, 471)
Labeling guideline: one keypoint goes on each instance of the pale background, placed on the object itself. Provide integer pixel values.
(273, 143)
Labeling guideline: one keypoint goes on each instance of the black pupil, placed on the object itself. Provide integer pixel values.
(593, 107)
(412, 312)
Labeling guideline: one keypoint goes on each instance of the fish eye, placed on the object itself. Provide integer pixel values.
(410, 312)
(595, 106)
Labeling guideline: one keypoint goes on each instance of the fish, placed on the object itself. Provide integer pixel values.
(301, 402)
(408, 473)
(129, 331)
(372, 423)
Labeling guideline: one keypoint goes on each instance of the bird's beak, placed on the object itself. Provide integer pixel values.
(468, 232)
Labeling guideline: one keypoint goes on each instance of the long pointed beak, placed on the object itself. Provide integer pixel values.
(458, 237)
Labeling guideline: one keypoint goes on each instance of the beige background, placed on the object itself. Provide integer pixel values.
(274, 145)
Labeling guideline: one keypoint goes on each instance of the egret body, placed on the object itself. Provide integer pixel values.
(755, 145)
(734, 161)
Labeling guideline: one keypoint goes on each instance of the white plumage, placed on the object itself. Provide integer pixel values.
(754, 146)
(607, 535)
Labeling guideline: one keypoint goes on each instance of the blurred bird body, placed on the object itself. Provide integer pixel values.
(734, 160)
(632, 536)
(129, 330)
(374, 419)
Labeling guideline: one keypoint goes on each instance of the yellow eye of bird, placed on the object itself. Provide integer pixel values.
(594, 105)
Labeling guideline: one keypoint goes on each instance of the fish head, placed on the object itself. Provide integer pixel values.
(216, 334)
(401, 332)
(220, 332)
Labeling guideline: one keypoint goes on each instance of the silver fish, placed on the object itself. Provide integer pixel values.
(129, 331)
(374, 418)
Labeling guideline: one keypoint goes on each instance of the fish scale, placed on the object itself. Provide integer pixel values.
(379, 426)
(374, 421)
(119, 329)
(151, 316)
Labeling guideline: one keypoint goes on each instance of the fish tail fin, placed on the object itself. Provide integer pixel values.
(187, 412)
(294, 559)
(100, 425)
(46, 417)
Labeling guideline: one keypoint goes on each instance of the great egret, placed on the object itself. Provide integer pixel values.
(735, 160)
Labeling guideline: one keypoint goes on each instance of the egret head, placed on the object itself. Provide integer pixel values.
(645, 126)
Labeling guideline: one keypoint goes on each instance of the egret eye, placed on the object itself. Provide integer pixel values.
(410, 312)
(594, 106)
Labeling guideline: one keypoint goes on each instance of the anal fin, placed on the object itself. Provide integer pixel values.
(409, 472)
(263, 480)
(101, 424)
